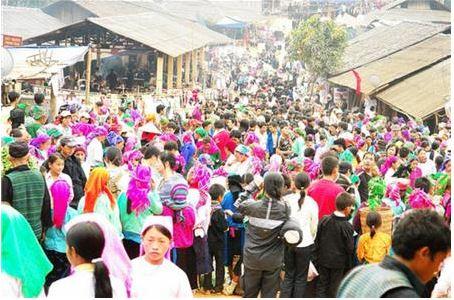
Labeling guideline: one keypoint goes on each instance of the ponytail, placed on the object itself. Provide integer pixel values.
(103, 287)
(302, 197)
(372, 231)
(373, 221)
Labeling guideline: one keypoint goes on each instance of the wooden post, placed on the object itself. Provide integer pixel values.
(202, 66)
(187, 67)
(88, 76)
(194, 68)
(169, 72)
(53, 105)
(98, 57)
(159, 74)
(179, 71)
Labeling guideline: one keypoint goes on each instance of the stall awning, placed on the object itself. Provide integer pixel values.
(423, 94)
(41, 62)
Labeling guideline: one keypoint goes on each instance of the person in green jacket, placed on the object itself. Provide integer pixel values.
(135, 205)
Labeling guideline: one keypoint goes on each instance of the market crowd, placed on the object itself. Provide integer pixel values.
(259, 185)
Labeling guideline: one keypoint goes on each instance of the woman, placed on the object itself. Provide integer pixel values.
(91, 279)
(39, 147)
(54, 166)
(98, 198)
(296, 260)
(118, 176)
(389, 168)
(151, 159)
(152, 273)
(135, 205)
(24, 264)
(65, 123)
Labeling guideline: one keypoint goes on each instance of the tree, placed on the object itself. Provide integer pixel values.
(319, 44)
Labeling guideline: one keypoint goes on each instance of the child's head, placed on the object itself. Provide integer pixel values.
(344, 203)
(274, 185)
(424, 184)
(302, 181)
(373, 221)
(55, 163)
(85, 244)
(216, 192)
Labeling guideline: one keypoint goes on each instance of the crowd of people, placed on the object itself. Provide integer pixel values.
(253, 187)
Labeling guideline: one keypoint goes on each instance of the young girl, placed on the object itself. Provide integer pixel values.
(91, 279)
(153, 273)
(297, 260)
(374, 245)
(54, 242)
(54, 166)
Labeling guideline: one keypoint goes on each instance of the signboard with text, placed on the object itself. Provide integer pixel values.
(11, 41)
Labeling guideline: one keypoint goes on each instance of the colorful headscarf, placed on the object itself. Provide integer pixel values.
(131, 156)
(61, 196)
(420, 200)
(113, 139)
(82, 128)
(114, 254)
(311, 168)
(393, 193)
(258, 152)
(275, 163)
(201, 132)
(130, 144)
(97, 184)
(97, 131)
(388, 164)
(138, 188)
(251, 138)
(39, 140)
(346, 156)
(38, 111)
(23, 257)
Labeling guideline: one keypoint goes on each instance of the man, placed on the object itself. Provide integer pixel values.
(26, 190)
(16, 114)
(421, 241)
(365, 175)
(325, 190)
(112, 80)
(73, 168)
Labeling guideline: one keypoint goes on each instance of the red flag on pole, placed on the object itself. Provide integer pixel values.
(358, 83)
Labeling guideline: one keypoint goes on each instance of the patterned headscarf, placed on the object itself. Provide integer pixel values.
(96, 185)
(138, 188)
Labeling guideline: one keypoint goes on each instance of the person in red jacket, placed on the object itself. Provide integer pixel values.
(324, 191)
(222, 139)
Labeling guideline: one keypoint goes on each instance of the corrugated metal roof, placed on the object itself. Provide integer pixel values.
(423, 94)
(165, 33)
(382, 41)
(386, 70)
(405, 14)
(27, 22)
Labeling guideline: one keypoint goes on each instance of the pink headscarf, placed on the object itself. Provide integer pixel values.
(114, 255)
(251, 138)
(420, 199)
(61, 194)
(138, 188)
(129, 158)
(275, 163)
(393, 193)
(387, 164)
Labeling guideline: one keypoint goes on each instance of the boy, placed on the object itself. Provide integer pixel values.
(218, 225)
(334, 247)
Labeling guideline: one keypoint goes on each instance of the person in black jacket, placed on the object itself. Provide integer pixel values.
(73, 169)
(334, 247)
(218, 226)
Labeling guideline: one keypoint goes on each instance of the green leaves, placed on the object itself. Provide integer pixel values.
(319, 44)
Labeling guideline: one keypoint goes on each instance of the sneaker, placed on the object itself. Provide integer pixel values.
(228, 290)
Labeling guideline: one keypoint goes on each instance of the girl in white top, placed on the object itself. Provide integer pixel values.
(153, 274)
(91, 279)
(54, 166)
(304, 209)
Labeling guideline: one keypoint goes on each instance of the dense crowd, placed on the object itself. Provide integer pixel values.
(262, 173)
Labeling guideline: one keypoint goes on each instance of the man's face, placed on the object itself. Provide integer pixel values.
(67, 150)
(426, 266)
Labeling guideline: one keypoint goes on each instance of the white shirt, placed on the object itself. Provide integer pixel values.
(94, 153)
(428, 168)
(80, 285)
(202, 219)
(307, 216)
(163, 281)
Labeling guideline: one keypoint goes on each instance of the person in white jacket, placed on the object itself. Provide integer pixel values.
(297, 260)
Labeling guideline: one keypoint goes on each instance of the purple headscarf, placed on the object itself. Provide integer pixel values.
(97, 131)
(83, 128)
(420, 199)
(40, 139)
(129, 158)
(138, 188)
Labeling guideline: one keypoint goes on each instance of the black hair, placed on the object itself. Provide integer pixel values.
(172, 125)
(88, 241)
(160, 108)
(421, 228)
(51, 159)
(166, 156)
(309, 152)
(329, 164)
(344, 200)
(439, 161)
(162, 229)
(235, 134)
(343, 125)
(252, 123)
(373, 221)
(114, 156)
(16, 133)
(171, 146)
(13, 96)
(274, 185)
(423, 183)
(302, 181)
(216, 191)
(244, 125)
(287, 181)
(219, 124)
(404, 152)
(149, 151)
(39, 98)
(344, 167)
(247, 178)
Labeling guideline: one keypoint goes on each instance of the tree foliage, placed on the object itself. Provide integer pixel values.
(319, 44)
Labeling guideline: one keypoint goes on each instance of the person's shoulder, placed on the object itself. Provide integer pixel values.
(170, 266)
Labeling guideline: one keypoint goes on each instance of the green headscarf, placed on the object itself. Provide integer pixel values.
(346, 156)
(201, 132)
(54, 132)
(37, 112)
(377, 189)
(22, 256)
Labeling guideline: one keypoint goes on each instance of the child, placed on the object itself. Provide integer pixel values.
(54, 166)
(373, 246)
(218, 225)
(334, 247)
(54, 242)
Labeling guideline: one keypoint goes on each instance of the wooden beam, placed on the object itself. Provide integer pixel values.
(159, 74)
(88, 76)
(169, 72)
(179, 71)
(194, 68)
(187, 67)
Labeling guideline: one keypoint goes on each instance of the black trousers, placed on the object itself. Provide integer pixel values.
(264, 282)
(328, 282)
(186, 262)
(296, 269)
(61, 266)
(132, 248)
(216, 252)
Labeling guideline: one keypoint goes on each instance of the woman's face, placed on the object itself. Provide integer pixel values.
(448, 167)
(80, 155)
(57, 166)
(391, 151)
(46, 145)
(413, 164)
(155, 245)
(66, 121)
(121, 145)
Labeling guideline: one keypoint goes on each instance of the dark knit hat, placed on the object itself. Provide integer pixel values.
(18, 149)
